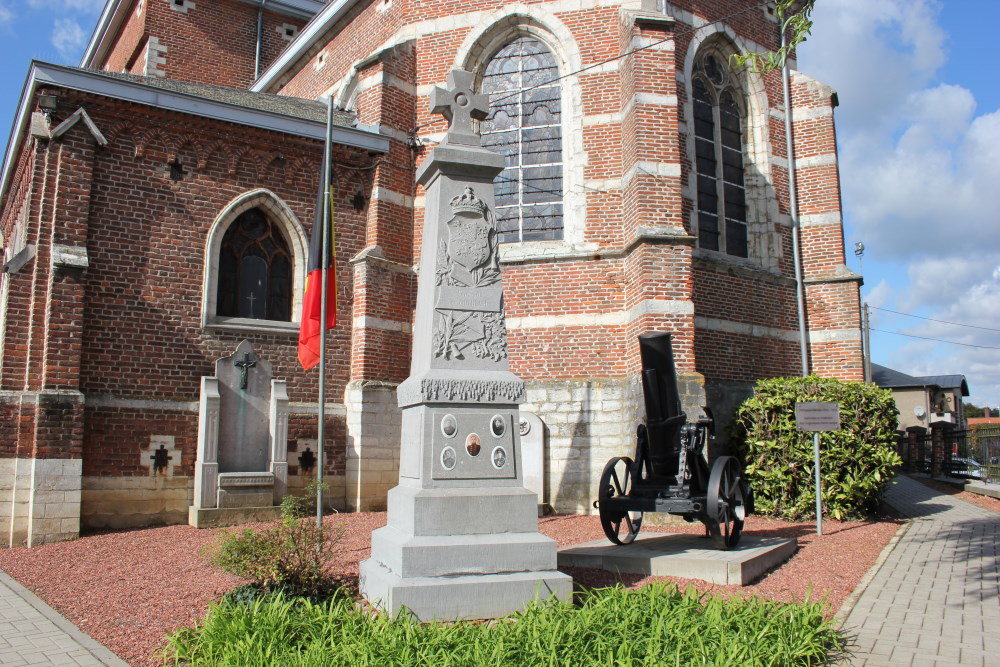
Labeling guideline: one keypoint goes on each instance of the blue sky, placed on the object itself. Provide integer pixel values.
(919, 133)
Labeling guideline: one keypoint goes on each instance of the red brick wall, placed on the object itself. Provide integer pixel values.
(214, 42)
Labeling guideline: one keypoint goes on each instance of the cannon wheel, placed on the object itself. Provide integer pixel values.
(726, 502)
(616, 481)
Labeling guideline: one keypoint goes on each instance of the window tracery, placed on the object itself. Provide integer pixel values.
(255, 270)
(721, 202)
(525, 125)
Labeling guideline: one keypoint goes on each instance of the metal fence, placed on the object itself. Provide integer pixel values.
(969, 454)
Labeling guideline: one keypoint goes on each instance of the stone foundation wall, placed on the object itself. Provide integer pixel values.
(41, 501)
(373, 440)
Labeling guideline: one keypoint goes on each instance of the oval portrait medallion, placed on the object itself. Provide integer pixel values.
(499, 458)
(498, 426)
(472, 444)
(449, 426)
(448, 458)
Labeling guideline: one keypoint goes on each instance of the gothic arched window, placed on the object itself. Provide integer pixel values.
(525, 126)
(718, 129)
(255, 270)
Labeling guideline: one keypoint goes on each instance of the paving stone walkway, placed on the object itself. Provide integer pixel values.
(936, 599)
(32, 633)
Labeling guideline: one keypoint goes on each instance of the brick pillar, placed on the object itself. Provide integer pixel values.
(658, 267)
(833, 301)
(48, 469)
(937, 448)
(913, 436)
(384, 287)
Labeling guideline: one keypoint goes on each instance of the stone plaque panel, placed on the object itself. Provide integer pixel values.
(473, 443)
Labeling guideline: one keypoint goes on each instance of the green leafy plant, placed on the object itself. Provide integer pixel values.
(658, 624)
(856, 462)
(290, 555)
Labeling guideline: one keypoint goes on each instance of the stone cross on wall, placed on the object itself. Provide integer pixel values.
(460, 106)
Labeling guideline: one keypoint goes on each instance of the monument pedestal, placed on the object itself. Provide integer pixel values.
(461, 553)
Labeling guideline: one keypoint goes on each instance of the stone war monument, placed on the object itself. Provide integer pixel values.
(241, 471)
(462, 538)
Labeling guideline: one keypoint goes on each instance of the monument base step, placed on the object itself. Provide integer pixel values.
(412, 556)
(230, 516)
(460, 597)
(680, 555)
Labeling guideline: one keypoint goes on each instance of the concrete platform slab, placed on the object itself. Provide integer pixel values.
(679, 555)
(990, 489)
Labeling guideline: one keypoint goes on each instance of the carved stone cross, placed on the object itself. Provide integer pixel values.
(244, 367)
(460, 105)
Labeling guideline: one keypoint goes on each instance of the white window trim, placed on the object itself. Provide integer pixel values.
(281, 216)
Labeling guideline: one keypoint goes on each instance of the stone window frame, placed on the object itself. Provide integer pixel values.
(282, 217)
(763, 243)
(480, 45)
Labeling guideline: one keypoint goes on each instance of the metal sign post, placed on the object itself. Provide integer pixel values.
(816, 417)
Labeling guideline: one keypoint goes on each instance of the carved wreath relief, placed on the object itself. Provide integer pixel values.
(469, 312)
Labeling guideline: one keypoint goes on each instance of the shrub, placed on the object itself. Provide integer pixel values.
(856, 463)
(290, 555)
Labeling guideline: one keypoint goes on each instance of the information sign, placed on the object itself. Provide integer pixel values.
(816, 416)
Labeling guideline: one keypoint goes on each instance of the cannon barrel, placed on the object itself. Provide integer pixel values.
(659, 377)
(664, 417)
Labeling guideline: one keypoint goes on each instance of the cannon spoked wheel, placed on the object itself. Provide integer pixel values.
(725, 504)
(616, 481)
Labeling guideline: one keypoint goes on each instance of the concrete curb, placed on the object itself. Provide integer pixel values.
(98, 650)
(852, 599)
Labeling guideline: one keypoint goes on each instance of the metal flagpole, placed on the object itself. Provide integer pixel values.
(325, 267)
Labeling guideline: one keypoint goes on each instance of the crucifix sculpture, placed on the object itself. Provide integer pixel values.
(460, 106)
(245, 365)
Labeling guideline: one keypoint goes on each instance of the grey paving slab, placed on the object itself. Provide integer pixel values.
(32, 633)
(935, 600)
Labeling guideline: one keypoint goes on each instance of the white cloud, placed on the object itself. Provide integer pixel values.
(68, 38)
(6, 16)
(920, 172)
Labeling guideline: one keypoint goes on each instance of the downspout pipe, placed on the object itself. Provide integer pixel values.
(260, 39)
(793, 211)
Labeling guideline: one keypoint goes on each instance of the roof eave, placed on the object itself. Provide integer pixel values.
(64, 77)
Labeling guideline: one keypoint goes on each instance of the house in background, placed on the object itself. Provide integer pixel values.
(924, 401)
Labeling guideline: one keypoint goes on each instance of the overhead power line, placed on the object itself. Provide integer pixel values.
(931, 319)
(938, 340)
(673, 36)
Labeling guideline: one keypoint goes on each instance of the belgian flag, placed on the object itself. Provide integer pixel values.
(310, 331)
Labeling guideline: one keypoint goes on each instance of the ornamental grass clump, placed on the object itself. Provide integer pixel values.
(655, 625)
(291, 555)
(856, 463)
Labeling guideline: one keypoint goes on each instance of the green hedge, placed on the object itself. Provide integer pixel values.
(856, 463)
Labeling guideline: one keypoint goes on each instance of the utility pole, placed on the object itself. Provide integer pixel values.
(866, 350)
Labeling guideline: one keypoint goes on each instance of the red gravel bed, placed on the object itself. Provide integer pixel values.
(986, 502)
(127, 589)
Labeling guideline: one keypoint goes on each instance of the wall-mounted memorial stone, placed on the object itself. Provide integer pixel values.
(241, 471)
(462, 537)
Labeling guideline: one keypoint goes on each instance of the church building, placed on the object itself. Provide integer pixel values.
(156, 203)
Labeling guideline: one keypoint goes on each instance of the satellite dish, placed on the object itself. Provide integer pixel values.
(919, 411)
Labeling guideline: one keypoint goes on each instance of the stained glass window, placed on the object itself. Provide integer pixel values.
(718, 132)
(255, 270)
(524, 126)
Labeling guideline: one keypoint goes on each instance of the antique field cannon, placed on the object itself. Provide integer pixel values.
(670, 472)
